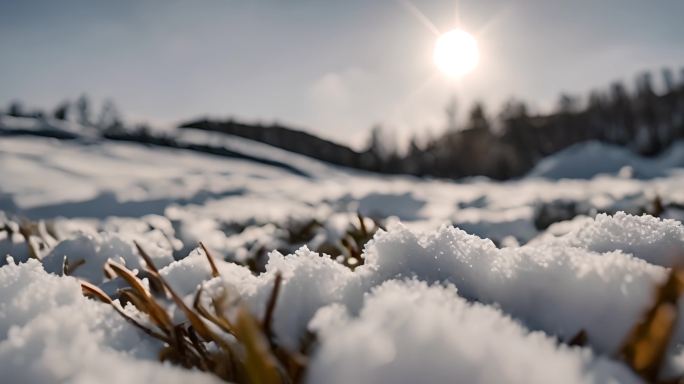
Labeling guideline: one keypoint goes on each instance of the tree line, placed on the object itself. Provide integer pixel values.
(646, 120)
(81, 111)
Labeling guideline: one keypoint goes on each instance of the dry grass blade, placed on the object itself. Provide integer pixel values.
(579, 340)
(220, 321)
(108, 271)
(220, 368)
(270, 307)
(126, 274)
(132, 296)
(657, 207)
(194, 319)
(150, 306)
(362, 224)
(197, 343)
(378, 225)
(69, 268)
(148, 260)
(294, 363)
(90, 290)
(25, 231)
(645, 347)
(214, 270)
(156, 286)
(260, 364)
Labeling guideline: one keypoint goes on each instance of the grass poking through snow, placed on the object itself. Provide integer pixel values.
(229, 341)
(645, 347)
(238, 348)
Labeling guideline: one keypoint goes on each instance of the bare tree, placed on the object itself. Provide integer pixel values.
(83, 110)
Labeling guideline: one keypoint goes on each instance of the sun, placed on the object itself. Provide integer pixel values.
(456, 53)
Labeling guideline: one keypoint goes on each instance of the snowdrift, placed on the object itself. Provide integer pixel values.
(587, 160)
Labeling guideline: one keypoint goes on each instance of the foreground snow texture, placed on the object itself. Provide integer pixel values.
(51, 333)
(447, 293)
(434, 307)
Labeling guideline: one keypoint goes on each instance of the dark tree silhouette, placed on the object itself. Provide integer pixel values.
(15, 109)
(451, 111)
(83, 110)
(109, 118)
(62, 111)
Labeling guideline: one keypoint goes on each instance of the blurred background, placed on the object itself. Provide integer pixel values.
(351, 83)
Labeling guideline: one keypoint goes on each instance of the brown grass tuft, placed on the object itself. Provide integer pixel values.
(242, 350)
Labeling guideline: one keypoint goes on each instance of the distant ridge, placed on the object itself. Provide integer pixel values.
(286, 138)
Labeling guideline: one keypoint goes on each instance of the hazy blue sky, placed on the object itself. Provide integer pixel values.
(333, 67)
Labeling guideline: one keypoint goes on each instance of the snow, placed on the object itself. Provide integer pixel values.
(601, 293)
(472, 281)
(95, 250)
(393, 340)
(659, 242)
(586, 160)
(586, 290)
(44, 125)
(50, 333)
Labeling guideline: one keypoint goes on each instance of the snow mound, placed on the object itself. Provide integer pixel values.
(657, 241)
(560, 290)
(586, 160)
(95, 249)
(393, 340)
(555, 289)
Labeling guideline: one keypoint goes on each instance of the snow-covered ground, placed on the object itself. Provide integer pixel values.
(473, 281)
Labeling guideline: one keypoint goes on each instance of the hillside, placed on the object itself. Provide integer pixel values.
(289, 139)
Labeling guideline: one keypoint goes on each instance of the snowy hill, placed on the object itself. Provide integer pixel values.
(586, 160)
(116, 179)
(48, 127)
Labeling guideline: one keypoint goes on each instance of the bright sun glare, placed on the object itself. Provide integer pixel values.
(456, 53)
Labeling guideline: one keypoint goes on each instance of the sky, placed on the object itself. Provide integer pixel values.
(334, 68)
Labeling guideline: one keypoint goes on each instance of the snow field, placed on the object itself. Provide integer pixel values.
(431, 306)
